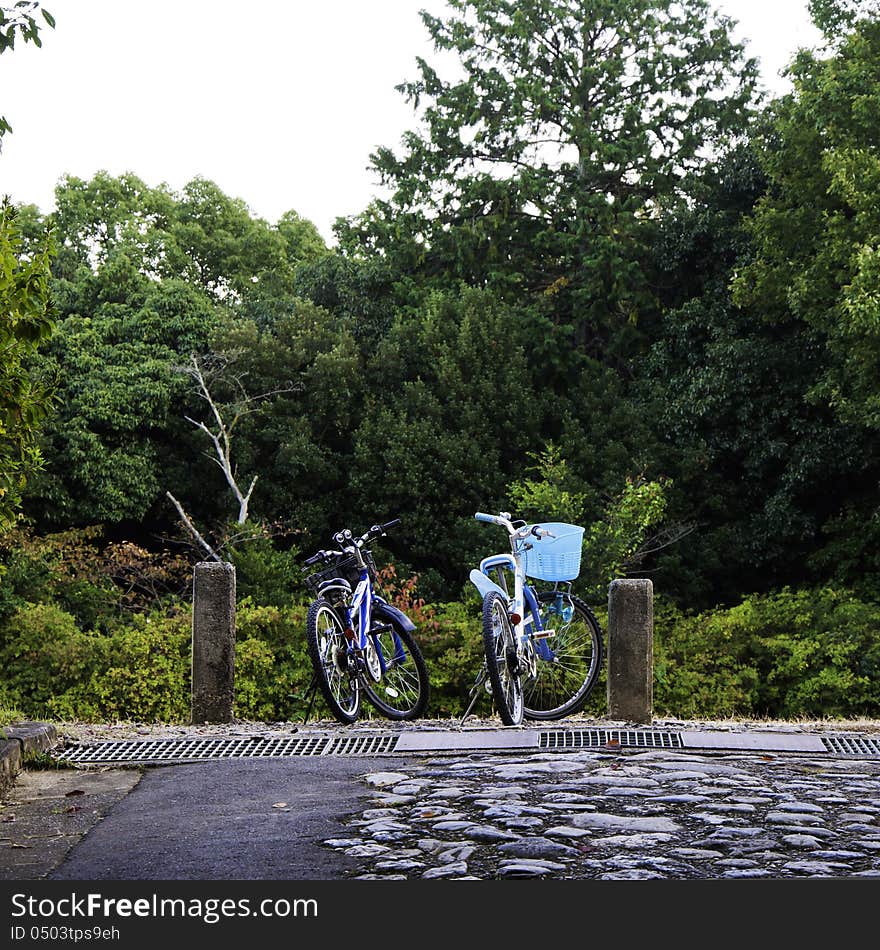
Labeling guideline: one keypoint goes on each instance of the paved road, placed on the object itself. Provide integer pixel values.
(227, 820)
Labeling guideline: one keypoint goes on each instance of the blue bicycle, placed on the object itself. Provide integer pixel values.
(359, 644)
(543, 648)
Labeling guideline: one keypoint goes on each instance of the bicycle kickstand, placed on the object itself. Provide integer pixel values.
(475, 692)
(312, 696)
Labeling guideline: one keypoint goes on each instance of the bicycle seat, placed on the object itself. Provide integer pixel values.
(334, 582)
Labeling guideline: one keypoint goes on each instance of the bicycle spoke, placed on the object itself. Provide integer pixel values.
(402, 690)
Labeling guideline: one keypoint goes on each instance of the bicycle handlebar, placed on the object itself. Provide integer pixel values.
(482, 516)
(503, 521)
(321, 555)
(376, 531)
(542, 532)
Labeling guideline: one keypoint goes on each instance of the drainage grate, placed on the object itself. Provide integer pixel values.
(593, 738)
(851, 745)
(244, 747)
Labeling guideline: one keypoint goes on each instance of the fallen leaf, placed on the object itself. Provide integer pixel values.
(76, 791)
(280, 805)
(71, 809)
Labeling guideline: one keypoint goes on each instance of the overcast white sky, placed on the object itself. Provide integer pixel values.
(279, 102)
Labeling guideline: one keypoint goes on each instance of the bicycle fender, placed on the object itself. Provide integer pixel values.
(485, 584)
(392, 615)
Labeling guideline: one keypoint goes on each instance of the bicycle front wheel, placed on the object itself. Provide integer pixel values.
(401, 692)
(563, 682)
(328, 650)
(502, 659)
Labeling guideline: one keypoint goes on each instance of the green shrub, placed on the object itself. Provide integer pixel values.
(272, 667)
(43, 654)
(139, 670)
(266, 574)
(789, 654)
(451, 639)
(146, 676)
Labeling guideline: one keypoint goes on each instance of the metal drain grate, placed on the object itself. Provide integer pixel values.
(851, 745)
(244, 747)
(596, 738)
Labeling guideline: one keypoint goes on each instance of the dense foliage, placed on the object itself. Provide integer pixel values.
(609, 285)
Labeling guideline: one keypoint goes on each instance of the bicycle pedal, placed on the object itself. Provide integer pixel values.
(380, 628)
(543, 634)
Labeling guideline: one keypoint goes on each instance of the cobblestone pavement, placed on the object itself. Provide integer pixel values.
(620, 815)
(608, 813)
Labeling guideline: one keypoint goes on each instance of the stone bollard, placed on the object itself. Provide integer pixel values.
(213, 642)
(631, 650)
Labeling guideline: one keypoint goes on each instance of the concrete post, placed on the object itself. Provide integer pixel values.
(631, 650)
(213, 642)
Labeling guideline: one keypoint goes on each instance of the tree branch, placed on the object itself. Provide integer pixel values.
(192, 528)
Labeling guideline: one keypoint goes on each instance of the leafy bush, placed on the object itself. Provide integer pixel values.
(140, 670)
(787, 654)
(272, 668)
(265, 574)
(87, 576)
(146, 675)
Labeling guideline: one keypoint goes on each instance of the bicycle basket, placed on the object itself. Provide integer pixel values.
(553, 559)
(346, 568)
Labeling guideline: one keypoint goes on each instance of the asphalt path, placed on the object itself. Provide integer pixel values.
(242, 819)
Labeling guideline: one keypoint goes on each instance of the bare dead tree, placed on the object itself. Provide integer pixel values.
(188, 524)
(220, 432)
(222, 422)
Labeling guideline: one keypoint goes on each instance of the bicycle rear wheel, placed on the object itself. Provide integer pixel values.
(561, 685)
(401, 692)
(328, 650)
(502, 659)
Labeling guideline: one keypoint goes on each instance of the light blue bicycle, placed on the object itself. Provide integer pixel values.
(543, 647)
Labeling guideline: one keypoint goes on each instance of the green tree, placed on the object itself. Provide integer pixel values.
(448, 414)
(817, 230)
(300, 442)
(836, 17)
(25, 313)
(760, 467)
(25, 322)
(199, 235)
(807, 292)
(542, 165)
(142, 278)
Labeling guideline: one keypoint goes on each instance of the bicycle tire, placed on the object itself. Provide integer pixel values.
(502, 660)
(327, 646)
(409, 678)
(562, 687)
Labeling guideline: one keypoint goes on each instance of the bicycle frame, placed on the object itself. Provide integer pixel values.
(523, 596)
(364, 606)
